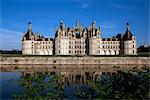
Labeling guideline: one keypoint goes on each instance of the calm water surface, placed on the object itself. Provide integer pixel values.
(71, 76)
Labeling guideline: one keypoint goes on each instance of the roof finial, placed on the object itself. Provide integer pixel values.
(93, 24)
(128, 26)
(29, 26)
(77, 24)
(62, 24)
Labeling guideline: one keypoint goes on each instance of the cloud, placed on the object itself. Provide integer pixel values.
(10, 39)
(108, 25)
(122, 6)
(84, 5)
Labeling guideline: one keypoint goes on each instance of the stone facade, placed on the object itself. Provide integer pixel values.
(78, 41)
(35, 44)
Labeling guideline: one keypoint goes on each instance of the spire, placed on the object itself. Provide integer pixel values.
(128, 35)
(99, 29)
(128, 26)
(62, 24)
(29, 33)
(77, 24)
(29, 26)
(93, 24)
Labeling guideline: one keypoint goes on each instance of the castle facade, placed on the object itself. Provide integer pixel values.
(78, 41)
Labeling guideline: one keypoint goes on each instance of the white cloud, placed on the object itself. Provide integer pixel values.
(10, 39)
(84, 5)
(108, 25)
(122, 6)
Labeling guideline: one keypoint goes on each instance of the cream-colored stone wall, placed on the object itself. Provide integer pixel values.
(61, 46)
(77, 46)
(75, 60)
(94, 46)
(99, 47)
(130, 46)
(27, 47)
(31, 47)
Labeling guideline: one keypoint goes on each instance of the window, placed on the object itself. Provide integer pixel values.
(133, 51)
(98, 51)
(133, 46)
(103, 46)
(69, 51)
(59, 51)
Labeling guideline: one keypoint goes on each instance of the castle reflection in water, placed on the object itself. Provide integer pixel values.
(71, 74)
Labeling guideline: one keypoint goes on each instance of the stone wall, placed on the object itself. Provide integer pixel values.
(75, 60)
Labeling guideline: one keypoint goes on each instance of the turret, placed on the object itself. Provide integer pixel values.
(129, 42)
(128, 35)
(93, 24)
(29, 26)
(77, 25)
(27, 41)
(93, 28)
(62, 26)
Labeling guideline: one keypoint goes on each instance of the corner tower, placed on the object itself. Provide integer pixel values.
(94, 42)
(61, 41)
(129, 42)
(27, 41)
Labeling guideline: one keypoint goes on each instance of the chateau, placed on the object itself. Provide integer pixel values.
(78, 41)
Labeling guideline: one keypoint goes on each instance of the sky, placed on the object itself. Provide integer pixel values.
(45, 15)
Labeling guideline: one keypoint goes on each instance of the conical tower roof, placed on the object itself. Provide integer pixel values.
(128, 35)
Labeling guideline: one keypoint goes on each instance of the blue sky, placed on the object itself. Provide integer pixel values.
(45, 15)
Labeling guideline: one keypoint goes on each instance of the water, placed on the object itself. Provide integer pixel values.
(71, 76)
(9, 84)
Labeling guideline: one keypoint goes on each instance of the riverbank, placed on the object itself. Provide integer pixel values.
(41, 60)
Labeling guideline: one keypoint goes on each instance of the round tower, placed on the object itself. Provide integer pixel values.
(61, 41)
(129, 42)
(27, 43)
